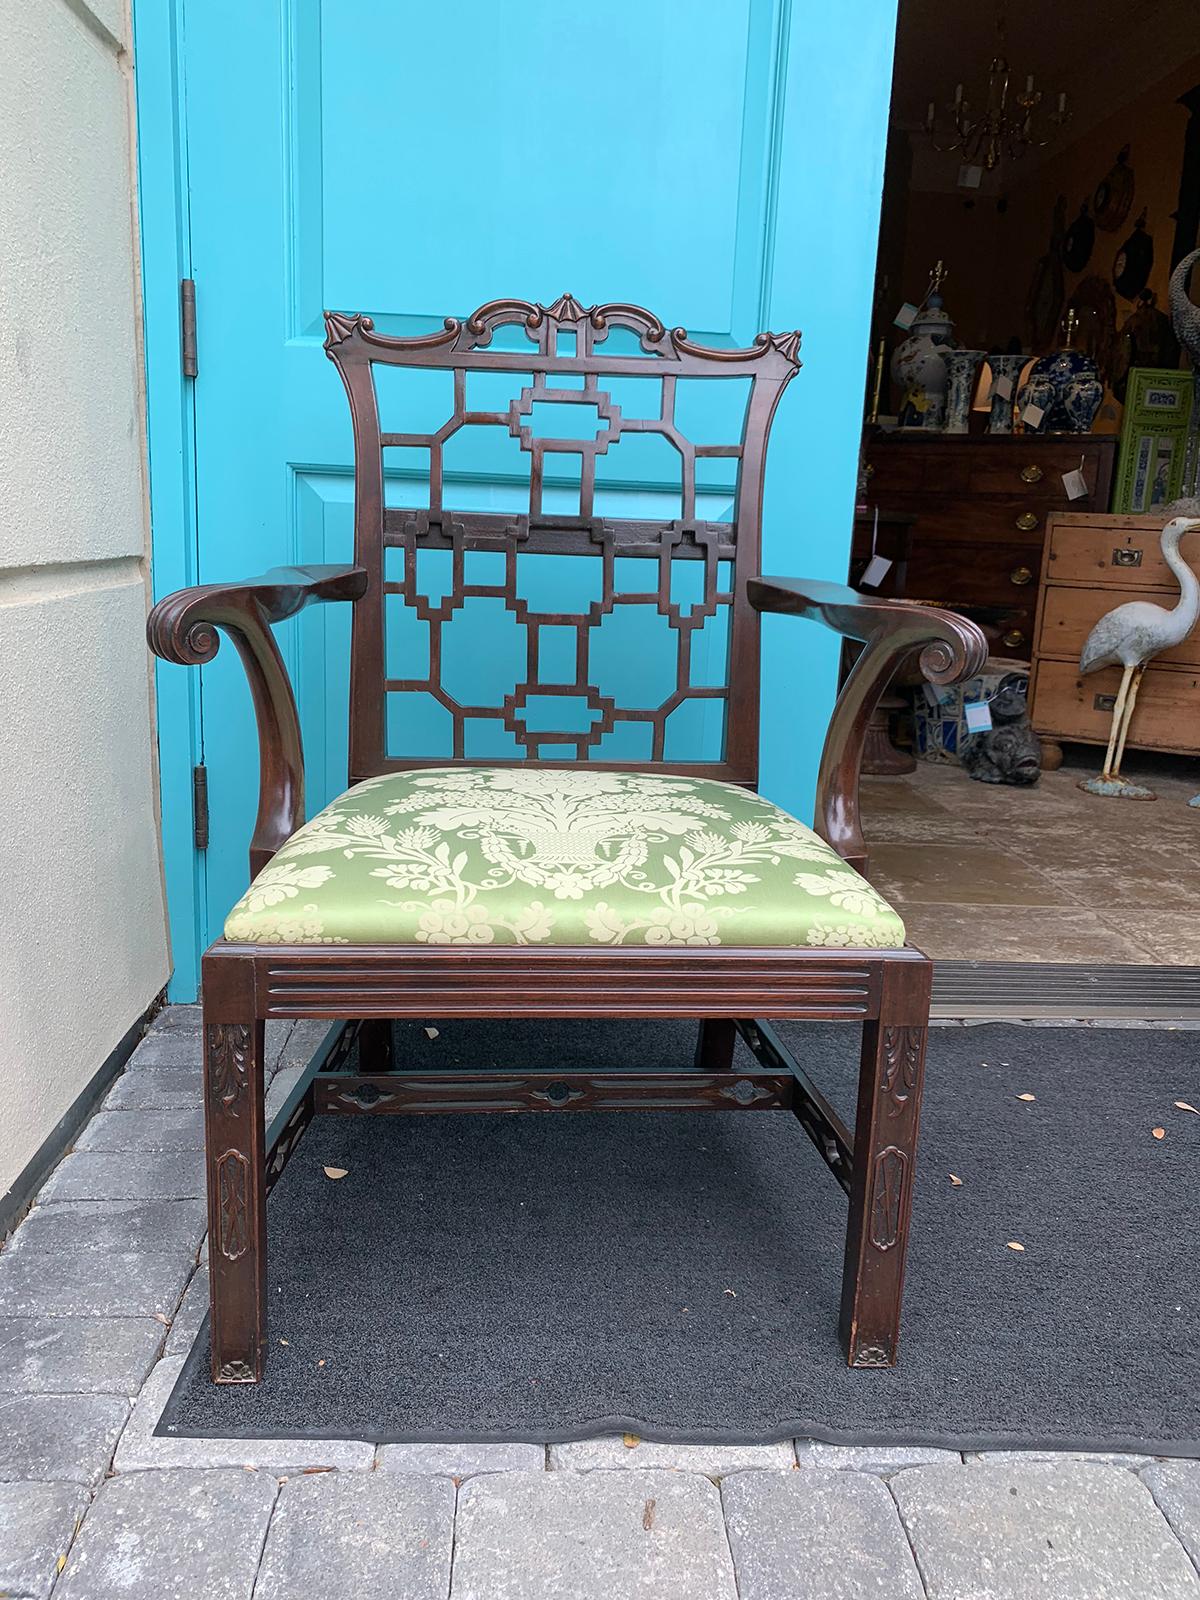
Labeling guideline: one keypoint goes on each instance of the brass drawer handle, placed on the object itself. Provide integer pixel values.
(1032, 474)
(1020, 576)
(1013, 638)
(1027, 521)
(1127, 558)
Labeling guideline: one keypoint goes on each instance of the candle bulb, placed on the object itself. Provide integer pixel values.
(1062, 105)
(958, 94)
(1029, 84)
(929, 116)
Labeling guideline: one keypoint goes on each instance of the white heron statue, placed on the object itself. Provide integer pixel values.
(1129, 636)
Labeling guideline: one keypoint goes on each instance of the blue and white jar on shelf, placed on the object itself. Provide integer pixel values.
(1006, 369)
(962, 371)
(1065, 387)
(918, 364)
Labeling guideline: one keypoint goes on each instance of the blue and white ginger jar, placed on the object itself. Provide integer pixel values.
(1066, 386)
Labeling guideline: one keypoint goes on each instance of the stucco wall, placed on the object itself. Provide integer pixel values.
(82, 931)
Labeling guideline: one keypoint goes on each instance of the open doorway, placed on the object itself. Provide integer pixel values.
(1042, 186)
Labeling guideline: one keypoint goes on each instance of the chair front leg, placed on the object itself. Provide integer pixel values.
(234, 1143)
(885, 1147)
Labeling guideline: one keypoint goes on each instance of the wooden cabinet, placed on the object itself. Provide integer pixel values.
(981, 506)
(1093, 563)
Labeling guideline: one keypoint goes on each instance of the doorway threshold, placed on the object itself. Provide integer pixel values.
(1042, 989)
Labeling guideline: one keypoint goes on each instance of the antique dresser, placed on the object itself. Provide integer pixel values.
(981, 506)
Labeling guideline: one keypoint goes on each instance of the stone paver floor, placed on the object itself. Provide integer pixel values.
(103, 1286)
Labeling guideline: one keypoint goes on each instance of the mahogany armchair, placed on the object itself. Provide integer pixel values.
(561, 881)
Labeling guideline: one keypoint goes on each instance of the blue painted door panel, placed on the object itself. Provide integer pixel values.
(718, 163)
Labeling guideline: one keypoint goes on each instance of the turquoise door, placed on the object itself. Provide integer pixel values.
(717, 162)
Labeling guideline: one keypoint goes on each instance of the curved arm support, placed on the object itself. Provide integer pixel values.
(183, 628)
(951, 648)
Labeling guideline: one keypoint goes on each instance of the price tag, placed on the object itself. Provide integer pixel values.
(979, 718)
(1001, 389)
(1075, 484)
(875, 572)
(1032, 416)
(906, 316)
(970, 175)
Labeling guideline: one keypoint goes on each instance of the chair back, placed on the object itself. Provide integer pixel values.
(564, 393)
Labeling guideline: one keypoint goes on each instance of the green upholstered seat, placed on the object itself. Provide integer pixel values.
(514, 855)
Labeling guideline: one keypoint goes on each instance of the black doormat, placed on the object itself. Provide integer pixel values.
(676, 1274)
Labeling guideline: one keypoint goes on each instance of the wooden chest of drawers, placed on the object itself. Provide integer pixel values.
(981, 506)
(1093, 563)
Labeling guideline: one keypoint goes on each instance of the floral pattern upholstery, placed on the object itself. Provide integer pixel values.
(513, 855)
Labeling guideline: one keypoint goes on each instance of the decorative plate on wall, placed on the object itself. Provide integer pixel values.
(1132, 263)
(1077, 246)
(1114, 194)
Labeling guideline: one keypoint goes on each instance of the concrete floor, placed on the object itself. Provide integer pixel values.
(990, 873)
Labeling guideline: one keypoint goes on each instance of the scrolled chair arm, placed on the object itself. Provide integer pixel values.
(183, 627)
(952, 648)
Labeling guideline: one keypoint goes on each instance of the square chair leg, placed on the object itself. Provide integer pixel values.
(235, 1156)
(715, 1045)
(885, 1148)
(375, 1046)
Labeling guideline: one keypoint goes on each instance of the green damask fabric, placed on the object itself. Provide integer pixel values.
(507, 856)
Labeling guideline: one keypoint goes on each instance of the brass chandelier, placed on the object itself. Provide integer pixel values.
(1004, 129)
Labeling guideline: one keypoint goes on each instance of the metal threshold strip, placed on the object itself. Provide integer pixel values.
(1043, 989)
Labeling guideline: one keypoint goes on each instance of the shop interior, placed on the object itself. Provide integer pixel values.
(1030, 444)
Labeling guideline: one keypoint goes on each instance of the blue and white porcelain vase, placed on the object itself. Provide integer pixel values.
(919, 367)
(1066, 388)
(1004, 367)
(962, 370)
(1083, 397)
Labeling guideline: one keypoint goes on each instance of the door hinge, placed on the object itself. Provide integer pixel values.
(187, 326)
(200, 806)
